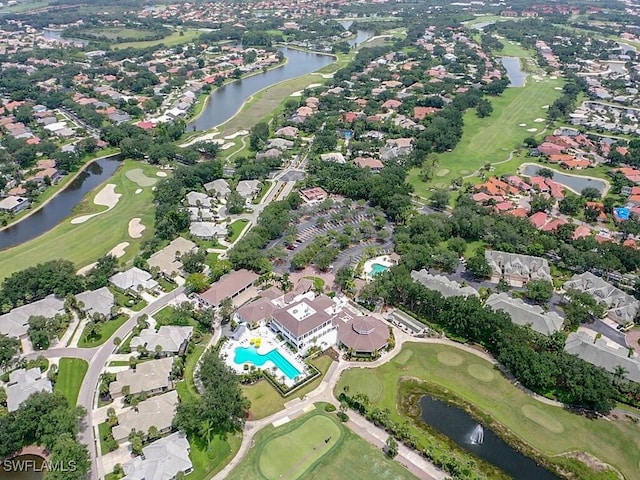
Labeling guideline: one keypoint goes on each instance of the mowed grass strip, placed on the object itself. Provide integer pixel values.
(549, 429)
(189, 35)
(71, 373)
(84, 243)
(291, 454)
(349, 458)
(491, 139)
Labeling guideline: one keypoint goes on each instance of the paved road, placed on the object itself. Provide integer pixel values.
(97, 359)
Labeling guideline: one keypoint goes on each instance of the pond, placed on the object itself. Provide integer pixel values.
(22, 467)
(517, 77)
(60, 206)
(460, 427)
(572, 182)
(225, 101)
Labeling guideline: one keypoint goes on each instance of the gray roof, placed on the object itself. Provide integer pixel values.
(623, 308)
(248, 188)
(12, 202)
(199, 199)
(280, 143)
(602, 354)
(523, 266)
(97, 301)
(220, 185)
(161, 460)
(207, 229)
(132, 278)
(24, 383)
(15, 323)
(167, 259)
(441, 284)
(169, 337)
(147, 376)
(156, 412)
(271, 153)
(522, 313)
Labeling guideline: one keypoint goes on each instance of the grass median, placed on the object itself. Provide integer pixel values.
(71, 372)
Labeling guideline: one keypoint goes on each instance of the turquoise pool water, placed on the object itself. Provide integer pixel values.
(251, 355)
(377, 269)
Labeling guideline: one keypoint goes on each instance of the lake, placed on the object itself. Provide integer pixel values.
(459, 427)
(60, 206)
(225, 101)
(517, 77)
(573, 182)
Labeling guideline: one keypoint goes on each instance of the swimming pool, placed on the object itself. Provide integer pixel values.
(377, 268)
(251, 355)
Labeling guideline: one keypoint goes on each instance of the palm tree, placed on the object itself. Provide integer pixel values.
(619, 372)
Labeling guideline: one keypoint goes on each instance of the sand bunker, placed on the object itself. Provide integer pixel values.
(136, 175)
(107, 197)
(161, 174)
(239, 133)
(296, 94)
(136, 228)
(539, 120)
(314, 85)
(87, 268)
(557, 88)
(138, 191)
(522, 124)
(118, 250)
(227, 146)
(532, 130)
(545, 107)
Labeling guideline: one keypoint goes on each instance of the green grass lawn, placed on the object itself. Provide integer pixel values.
(491, 139)
(298, 450)
(266, 184)
(208, 460)
(71, 372)
(265, 399)
(170, 41)
(115, 33)
(104, 431)
(108, 328)
(84, 243)
(236, 229)
(551, 430)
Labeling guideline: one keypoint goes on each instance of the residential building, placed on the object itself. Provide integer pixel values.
(100, 302)
(517, 270)
(16, 322)
(133, 281)
(255, 312)
(602, 353)
(168, 260)
(14, 204)
(156, 412)
(220, 187)
(24, 383)
(163, 459)
(372, 163)
(170, 338)
(622, 307)
(442, 285)
(208, 230)
(229, 286)
(248, 188)
(151, 377)
(522, 313)
(306, 322)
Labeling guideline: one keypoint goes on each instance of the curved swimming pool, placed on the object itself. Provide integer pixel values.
(250, 355)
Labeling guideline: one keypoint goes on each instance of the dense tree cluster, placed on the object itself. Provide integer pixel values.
(222, 407)
(538, 362)
(47, 419)
(386, 189)
(248, 251)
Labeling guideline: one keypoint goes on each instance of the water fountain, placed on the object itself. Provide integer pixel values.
(477, 436)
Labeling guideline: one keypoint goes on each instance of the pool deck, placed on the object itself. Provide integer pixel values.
(268, 342)
(367, 270)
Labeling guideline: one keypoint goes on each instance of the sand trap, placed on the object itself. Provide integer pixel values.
(137, 176)
(239, 133)
(522, 124)
(138, 191)
(296, 94)
(227, 146)
(136, 228)
(553, 77)
(161, 174)
(314, 85)
(118, 250)
(327, 75)
(539, 120)
(107, 197)
(87, 268)
(545, 107)
(532, 130)
(557, 88)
